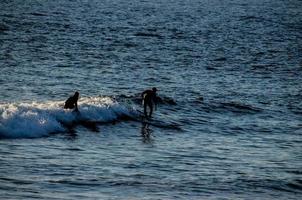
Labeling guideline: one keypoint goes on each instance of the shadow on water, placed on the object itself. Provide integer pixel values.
(90, 125)
(146, 133)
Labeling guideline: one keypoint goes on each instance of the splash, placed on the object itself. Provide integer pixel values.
(40, 119)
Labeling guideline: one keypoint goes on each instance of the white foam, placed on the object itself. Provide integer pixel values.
(38, 119)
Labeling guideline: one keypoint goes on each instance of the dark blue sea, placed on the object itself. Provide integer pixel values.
(228, 124)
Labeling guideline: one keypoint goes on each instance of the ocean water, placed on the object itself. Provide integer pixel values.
(229, 74)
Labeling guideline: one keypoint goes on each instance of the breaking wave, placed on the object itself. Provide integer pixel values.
(39, 119)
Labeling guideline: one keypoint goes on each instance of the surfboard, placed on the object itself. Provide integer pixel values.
(140, 117)
(161, 124)
(79, 121)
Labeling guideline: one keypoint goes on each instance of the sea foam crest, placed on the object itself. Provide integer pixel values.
(38, 119)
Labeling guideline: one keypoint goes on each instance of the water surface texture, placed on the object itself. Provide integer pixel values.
(228, 125)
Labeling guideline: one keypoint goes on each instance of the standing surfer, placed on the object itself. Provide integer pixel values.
(72, 102)
(149, 98)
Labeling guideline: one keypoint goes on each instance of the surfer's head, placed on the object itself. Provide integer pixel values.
(154, 89)
(76, 94)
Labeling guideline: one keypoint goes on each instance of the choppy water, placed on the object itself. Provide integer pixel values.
(233, 68)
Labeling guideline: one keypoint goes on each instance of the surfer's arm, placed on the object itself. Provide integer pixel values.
(155, 102)
(143, 94)
(143, 97)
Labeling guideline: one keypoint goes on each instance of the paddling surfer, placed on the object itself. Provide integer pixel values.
(149, 99)
(72, 102)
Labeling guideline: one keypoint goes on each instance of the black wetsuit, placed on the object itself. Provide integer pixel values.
(149, 98)
(71, 103)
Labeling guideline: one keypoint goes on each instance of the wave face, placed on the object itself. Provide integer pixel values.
(39, 119)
